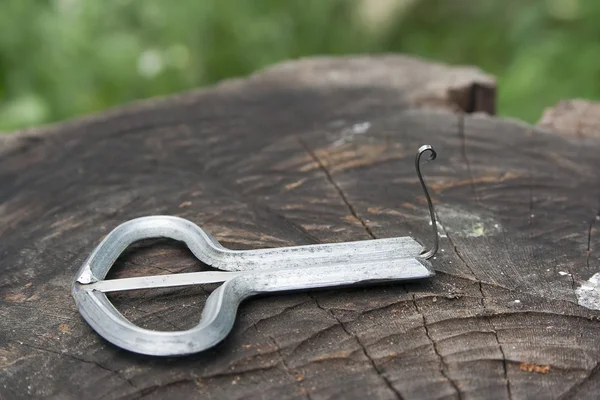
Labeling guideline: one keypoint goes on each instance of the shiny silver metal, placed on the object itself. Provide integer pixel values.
(243, 273)
(432, 156)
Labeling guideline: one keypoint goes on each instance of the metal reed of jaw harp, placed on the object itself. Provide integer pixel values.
(244, 273)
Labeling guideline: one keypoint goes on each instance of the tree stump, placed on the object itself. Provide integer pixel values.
(312, 151)
(578, 118)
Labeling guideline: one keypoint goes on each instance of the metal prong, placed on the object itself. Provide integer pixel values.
(160, 281)
(431, 252)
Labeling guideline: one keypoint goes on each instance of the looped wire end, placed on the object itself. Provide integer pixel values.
(432, 156)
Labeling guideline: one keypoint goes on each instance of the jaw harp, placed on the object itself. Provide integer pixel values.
(243, 273)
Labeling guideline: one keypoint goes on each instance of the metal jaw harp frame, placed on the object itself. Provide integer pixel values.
(243, 273)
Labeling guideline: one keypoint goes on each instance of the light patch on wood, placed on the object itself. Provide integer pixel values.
(64, 225)
(564, 163)
(352, 219)
(16, 210)
(9, 357)
(384, 211)
(588, 294)
(19, 297)
(269, 238)
(249, 178)
(301, 162)
(439, 187)
(317, 200)
(540, 369)
(294, 207)
(465, 223)
(309, 167)
(334, 356)
(349, 133)
(354, 156)
(64, 328)
(316, 227)
(247, 238)
(271, 181)
(294, 185)
(185, 204)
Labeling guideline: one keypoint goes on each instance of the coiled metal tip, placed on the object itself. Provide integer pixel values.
(432, 156)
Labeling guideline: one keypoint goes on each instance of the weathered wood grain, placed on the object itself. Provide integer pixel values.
(316, 150)
(580, 118)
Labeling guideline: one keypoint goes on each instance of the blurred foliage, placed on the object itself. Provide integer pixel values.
(63, 58)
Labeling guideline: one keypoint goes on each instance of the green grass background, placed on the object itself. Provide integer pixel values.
(63, 58)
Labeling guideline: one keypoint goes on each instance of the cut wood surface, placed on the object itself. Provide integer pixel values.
(312, 151)
(580, 118)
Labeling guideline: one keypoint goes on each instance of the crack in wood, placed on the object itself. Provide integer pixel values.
(463, 150)
(284, 365)
(504, 361)
(463, 147)
(572, 279)
(161, 268)
(514, 313)
(460, 257)
(73, 316)
(286, 368)
(156, 314)
(196, 380)
(495, 285)
(480, 287)
(309, 236)
(443, 363)
(571, 393)
(341, 193)
(228, 374)
(73, 357)
(495, 332)
(282, 311)
(315, 335)
(386, 381)
(151, 389)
